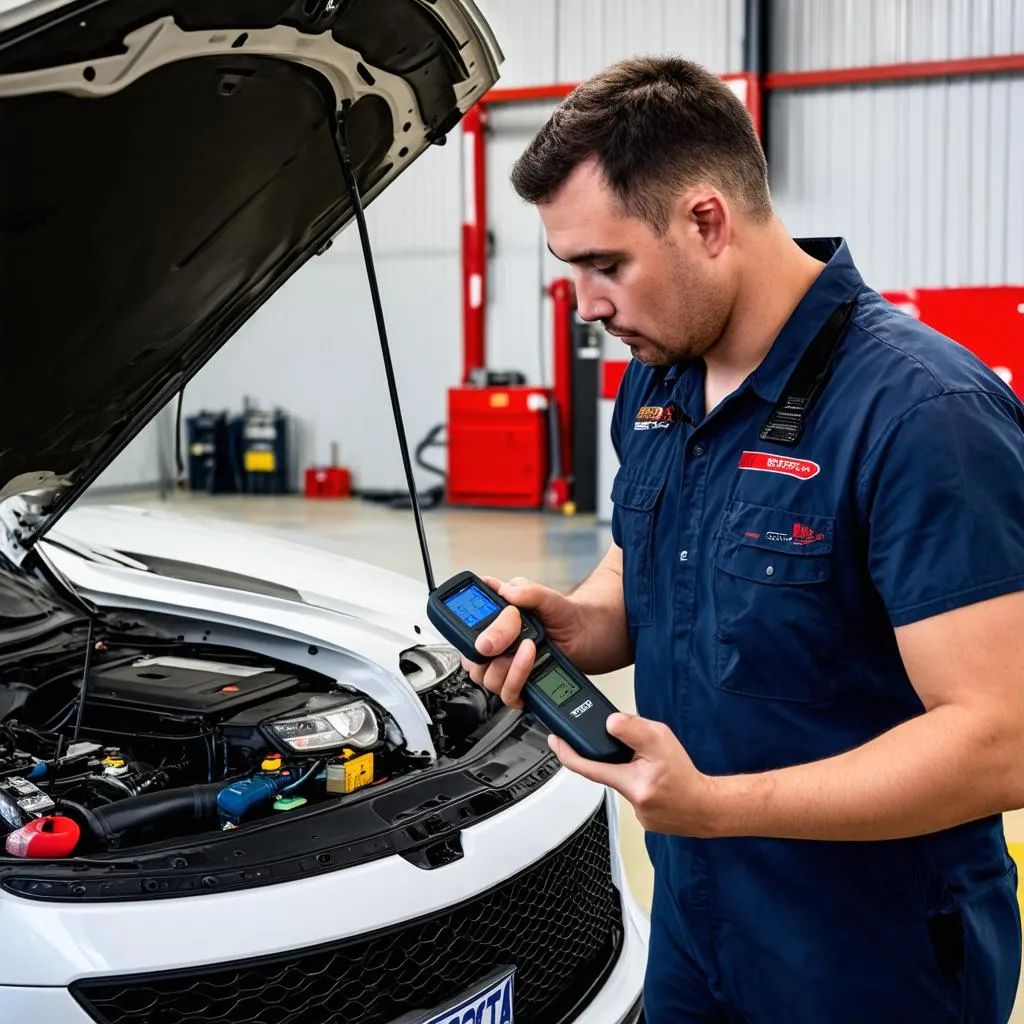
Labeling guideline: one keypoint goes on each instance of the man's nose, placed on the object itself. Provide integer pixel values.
(590, 303)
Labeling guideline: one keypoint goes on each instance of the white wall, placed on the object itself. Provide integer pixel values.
(923, 178)
(853, 33)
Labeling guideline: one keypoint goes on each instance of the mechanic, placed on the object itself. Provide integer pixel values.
(817, 570)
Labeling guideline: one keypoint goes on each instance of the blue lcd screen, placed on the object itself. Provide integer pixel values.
(471, 605)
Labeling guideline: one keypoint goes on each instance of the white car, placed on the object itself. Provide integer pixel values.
(242, 780)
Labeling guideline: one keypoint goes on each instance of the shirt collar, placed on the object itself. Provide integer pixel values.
(838, 281)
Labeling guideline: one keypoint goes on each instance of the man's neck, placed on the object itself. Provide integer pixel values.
(779, 275)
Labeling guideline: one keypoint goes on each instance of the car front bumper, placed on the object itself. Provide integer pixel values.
(45, 948)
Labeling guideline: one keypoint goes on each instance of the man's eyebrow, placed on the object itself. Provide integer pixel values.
(591, 256)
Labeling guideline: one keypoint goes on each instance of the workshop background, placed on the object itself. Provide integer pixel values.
(898, 124)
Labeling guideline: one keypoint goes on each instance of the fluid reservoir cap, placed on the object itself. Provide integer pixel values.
(288, 803)
(54, 836)
(271, 763)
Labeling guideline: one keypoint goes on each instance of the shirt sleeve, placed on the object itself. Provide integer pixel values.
(943, 499)
(616, 434)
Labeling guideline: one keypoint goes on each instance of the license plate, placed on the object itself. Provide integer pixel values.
(490, 1002)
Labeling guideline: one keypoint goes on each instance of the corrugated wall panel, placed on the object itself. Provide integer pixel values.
(580, 36)
(421, 212)
(526, 31)
(711, 33)
(1013, 226)
(595, 33)
(928, 31)
(812, 34)
(923, 178)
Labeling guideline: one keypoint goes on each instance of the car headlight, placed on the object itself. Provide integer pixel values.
(429, 664)
(320, 728)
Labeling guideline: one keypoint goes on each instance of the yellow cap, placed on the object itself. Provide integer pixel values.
(271, 763)
(114, 762)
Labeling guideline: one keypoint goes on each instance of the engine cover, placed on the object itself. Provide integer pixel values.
(209, 689)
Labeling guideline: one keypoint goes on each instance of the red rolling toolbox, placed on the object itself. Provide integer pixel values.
(498, 446)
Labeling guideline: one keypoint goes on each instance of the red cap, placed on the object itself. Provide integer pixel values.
(54, 836)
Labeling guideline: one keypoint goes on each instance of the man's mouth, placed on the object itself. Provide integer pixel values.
(624, 335)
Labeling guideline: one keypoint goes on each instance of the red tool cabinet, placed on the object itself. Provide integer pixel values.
(497, 446)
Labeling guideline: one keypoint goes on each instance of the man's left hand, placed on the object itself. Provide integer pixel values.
(667, 792)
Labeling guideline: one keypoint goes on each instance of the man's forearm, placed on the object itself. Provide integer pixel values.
(940, 769)
(605, 644)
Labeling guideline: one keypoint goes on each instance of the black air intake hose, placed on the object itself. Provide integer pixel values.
(150, 817)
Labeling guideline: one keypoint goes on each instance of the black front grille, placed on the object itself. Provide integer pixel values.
(559, 923)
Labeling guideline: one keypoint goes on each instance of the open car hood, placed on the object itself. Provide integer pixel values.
(167, 165)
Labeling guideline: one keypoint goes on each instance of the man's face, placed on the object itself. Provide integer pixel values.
(664, 295)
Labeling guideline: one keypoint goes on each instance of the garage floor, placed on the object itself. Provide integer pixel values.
(558, 551)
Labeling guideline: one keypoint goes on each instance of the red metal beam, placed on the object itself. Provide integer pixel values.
(563, 296)
(895, 72)
(474, 240)
(528, 93)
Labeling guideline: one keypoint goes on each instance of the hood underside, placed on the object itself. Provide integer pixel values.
(168, 164)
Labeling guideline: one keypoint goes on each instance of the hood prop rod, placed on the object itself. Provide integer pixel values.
(345, 158)
(89, 643)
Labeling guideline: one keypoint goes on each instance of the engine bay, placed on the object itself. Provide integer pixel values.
(172, 741)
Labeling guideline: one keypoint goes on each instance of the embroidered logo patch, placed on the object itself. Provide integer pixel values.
(801, 535)
(766, 462)
(656, 417)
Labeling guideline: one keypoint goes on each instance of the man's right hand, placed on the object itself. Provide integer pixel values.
(506, 675)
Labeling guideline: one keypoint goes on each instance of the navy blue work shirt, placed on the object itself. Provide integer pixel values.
(762, 586)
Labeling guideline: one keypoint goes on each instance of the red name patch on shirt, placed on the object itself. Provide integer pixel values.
(766, 462)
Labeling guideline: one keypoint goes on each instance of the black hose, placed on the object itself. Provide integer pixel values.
(432, 496)
(153, 816)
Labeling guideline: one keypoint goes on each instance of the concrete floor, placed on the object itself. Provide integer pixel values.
(558, 551)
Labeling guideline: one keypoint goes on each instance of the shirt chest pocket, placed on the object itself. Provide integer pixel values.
(779, 633)
(635, 495)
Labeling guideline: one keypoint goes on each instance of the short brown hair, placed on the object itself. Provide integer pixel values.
(656, 125)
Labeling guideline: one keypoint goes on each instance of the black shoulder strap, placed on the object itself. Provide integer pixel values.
(785, 425)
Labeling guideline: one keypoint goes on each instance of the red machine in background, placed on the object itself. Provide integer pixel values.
(512, 445)
(498, 446)
(988, 321)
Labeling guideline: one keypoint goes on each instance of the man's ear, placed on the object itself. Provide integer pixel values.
(706, 214)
